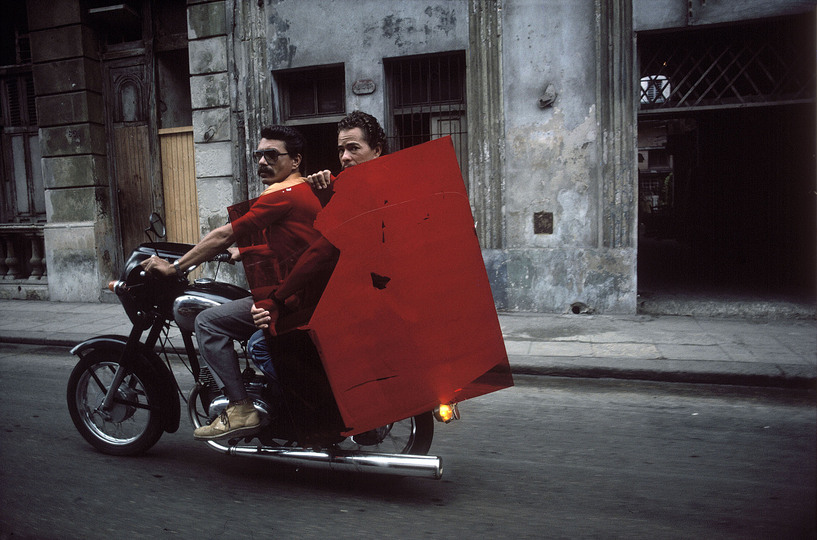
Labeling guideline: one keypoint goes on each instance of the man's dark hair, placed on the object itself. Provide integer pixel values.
(294, 141)
(373, 134)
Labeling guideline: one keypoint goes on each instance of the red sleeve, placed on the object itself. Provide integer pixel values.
(266, 210)
(312, 265)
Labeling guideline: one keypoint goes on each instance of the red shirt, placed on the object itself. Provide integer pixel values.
(274, 232)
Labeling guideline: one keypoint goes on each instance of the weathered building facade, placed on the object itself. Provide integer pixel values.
(584, 142)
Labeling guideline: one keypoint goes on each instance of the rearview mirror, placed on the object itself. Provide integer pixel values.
(156, 229)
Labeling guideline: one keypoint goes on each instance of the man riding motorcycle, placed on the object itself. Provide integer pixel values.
(282, 217)
(360, 139)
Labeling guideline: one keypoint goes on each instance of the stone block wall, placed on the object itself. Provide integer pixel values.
(79, 247)
(209, 88)
(219, 182)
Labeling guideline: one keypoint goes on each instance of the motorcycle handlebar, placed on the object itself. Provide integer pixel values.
(223, 257)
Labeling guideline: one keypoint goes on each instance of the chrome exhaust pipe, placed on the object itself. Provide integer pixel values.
(430, 467)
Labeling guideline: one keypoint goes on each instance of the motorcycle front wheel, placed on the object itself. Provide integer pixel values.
(131, 424)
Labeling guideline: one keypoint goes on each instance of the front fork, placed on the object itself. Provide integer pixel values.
(129, 352)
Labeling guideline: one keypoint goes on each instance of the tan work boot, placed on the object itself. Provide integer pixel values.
(237, 420)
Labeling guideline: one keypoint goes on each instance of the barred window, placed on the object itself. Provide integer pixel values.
(427, 101)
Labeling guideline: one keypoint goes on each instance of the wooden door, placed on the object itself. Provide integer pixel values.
(134, 192)
(135, 179)
(179, 179)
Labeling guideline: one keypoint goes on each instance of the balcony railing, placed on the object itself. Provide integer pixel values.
(22, 253)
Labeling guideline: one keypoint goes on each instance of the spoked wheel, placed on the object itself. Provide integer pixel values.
(131, 425)
(197, 407)
(410, 436)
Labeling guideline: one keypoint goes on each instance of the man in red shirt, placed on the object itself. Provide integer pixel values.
(360, 139)
(280, 224)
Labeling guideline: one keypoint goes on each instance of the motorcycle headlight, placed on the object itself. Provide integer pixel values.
(116, 286)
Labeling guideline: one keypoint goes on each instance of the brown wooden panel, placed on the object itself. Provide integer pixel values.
(179, 183)
(133, 182)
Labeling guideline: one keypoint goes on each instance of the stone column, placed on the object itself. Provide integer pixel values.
(616, 108)
(212, 125)
(218, 132)
(79, 236)
(486, 125)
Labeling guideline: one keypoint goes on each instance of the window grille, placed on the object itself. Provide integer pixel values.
(22, 48)
(427, 101)
(728, 66)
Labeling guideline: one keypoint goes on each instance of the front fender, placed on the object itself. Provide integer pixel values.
(150, 362)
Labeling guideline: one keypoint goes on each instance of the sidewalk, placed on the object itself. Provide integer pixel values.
(775, 352)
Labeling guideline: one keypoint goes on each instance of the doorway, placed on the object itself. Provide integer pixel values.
(131, 148)
(726, 204)
(727, 161)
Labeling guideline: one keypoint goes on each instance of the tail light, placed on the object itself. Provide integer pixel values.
(447, 412)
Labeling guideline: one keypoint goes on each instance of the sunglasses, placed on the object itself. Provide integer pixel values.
(270, 156)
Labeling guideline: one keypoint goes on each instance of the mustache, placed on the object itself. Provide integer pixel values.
(265, 169)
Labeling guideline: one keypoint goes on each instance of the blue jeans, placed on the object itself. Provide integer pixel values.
(262, 357)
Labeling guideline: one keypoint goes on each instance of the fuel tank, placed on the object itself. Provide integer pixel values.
(200, 295)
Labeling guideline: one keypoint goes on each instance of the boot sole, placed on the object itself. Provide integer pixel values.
(240, 432)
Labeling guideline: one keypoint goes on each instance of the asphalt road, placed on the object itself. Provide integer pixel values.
(549, 458)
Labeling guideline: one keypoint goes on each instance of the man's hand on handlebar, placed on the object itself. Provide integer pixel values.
(157, 265)
(225, 257)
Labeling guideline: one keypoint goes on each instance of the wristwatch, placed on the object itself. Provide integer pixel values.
(179, 271)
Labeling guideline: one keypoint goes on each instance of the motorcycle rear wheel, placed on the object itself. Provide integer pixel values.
(409, 436)
(132, 425)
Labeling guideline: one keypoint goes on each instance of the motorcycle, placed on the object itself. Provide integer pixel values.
(123, 395)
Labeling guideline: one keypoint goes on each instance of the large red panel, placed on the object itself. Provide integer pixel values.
(407, 320)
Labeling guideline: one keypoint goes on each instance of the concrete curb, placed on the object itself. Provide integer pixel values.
(672, 371)
(791, 381)
(770, 352)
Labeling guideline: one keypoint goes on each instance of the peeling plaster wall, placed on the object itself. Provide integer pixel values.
(553, 161)
(562, 280)
(360, 35)
(553, 156)
(550, 168)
